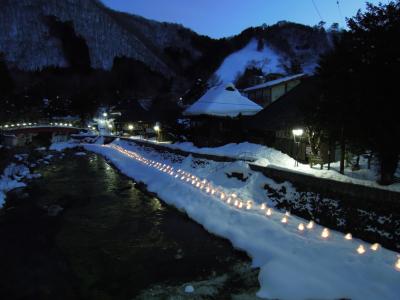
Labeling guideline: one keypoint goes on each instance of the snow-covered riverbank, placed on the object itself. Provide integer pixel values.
(266, 156)
(20, 169)
(11, 179)
(294, 262)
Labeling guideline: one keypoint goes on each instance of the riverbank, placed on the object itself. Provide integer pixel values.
(84, 231)
(17, 166)
(280, 250)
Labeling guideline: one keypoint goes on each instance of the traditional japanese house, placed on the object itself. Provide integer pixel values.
(270, 91)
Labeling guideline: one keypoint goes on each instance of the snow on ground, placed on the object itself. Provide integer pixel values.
(293, 264)
(11, 179)
(265, 156)
(267, 59)
(61, 146)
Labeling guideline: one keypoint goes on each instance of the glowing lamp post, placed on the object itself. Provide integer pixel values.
(157, 129)
(297, 133)
(130, 127)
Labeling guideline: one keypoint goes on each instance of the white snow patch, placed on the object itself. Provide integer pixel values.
(11, 179)
(189, 289)
(266, 156)
(61, 146)
(224, 100)
(293, 265)
(236, 63)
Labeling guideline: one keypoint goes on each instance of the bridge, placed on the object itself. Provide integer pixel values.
(23, 134)
(40, 129)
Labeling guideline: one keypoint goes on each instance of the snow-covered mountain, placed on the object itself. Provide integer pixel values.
(37, 34)
(27, 40)
(276, 49)
(267, 59)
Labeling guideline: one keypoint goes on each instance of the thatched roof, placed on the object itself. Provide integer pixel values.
(223, 101)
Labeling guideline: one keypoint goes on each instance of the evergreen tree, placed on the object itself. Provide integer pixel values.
(359, 79)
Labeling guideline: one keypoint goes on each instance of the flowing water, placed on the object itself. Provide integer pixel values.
(111, 240)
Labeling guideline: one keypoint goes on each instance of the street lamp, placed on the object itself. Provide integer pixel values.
(297, 133)
(130, 127)
(105, 115)
(157, 129)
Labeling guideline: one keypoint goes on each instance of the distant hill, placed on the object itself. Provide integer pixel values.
(30, 41)
(77, 50)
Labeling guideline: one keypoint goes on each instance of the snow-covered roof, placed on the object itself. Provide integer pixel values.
(274, 82)
(223, 101)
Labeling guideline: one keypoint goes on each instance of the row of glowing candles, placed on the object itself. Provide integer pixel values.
(35, 124)
(233, 199)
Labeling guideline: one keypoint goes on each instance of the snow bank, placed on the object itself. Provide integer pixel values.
(11, 179)
(266, 156)
(267, 59)
(293, 264)
(61, 146)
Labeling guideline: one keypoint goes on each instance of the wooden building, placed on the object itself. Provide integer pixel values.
(274, 125)
(219, 115)
(270, 91)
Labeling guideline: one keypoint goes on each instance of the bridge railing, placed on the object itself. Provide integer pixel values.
(12, 126)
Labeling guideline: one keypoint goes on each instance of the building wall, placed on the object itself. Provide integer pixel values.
(266, 96)
(292, 84)
(281, 89)
(277, 91)
(261, 97)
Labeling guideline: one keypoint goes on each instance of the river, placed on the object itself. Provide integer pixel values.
(111, 240)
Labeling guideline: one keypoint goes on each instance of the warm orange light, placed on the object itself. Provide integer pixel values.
(361, 249)
(310, 225)
(398, 263)
(325, 233)
(375, 247)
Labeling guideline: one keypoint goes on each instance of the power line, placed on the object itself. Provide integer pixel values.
(317, 10)
(340, 11)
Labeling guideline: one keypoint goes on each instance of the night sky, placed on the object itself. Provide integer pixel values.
(220, 18)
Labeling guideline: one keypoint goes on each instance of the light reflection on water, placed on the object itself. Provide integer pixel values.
(117, 236)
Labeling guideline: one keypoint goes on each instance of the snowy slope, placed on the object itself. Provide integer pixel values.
(294, 264)
(266, 156)
(267, 59)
